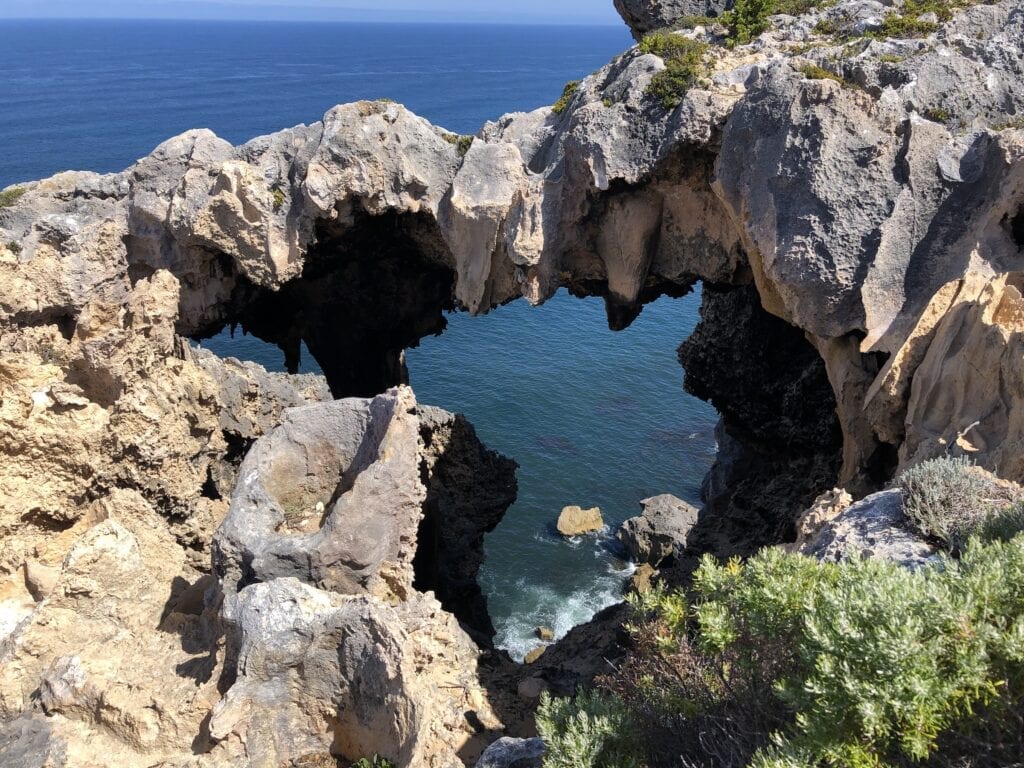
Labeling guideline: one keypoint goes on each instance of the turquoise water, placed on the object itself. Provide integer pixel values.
(593, 417)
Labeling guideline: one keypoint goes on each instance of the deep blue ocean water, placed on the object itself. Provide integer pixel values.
(593, 417)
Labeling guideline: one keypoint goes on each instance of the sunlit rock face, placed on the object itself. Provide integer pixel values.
(869, 238)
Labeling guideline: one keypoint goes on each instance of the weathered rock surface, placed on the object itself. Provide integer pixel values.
(660, 531)
(881, 226)
(873, 527)
(332, 497)
(513, 753)
(645, 16)
(469, 488)
(574, 520)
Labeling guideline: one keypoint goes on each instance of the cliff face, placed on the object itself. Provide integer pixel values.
(863, 246)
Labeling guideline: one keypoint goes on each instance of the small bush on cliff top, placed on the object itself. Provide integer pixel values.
(567, 93)
(947, 499)
(785, 662)
(590, 731)
(9, 197)
(684, 64)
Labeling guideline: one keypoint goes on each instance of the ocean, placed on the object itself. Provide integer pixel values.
(593, 417)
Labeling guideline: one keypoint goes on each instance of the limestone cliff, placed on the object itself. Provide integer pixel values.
(861, 237)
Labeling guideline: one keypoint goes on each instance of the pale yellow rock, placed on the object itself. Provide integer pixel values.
(575, 520)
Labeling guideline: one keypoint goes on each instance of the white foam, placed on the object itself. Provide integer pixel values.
(560, 612)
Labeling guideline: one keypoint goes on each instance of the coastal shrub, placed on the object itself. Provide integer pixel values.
(278, 197)
(747, 19)
(1000, 524)
(567, 93)
(593, 730)
(946, 498)
(785, 662)
(815, 72)
(938, 115)
(684, 64)
(14, 247)
(9, 197)
(462, 143)
(908, 21)
(373, 762)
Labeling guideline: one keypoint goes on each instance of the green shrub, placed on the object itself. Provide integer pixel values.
(747, 20)
(590, 731)
(279, 199)
(15, 247)
(907, 22)
(373, 762)
(945, 498)
(567, 93)
(689, 22)
(864, 663)
(684, 64)
(814, 72)
(462, 143)
(937, 115)
(1000, 524)
(9, 197)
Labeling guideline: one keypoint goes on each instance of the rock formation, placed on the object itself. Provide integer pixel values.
(660, 531)
(861, 245)
(575, 520)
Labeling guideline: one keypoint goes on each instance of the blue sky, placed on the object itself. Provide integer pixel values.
(523, 11)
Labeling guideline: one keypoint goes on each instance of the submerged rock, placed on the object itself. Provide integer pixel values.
(575, 520)
(660, 532)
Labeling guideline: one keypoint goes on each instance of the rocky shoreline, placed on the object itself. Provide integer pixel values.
(204, 563)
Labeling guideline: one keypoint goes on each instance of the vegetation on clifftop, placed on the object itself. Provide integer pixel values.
(787, 662)
(684, 64)
(9, 197)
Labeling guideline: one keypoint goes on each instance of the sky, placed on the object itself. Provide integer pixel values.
(497, 11)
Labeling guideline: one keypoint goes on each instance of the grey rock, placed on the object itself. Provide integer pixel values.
(332, 496)
(319, 672)
(643, 16)
(513, 753)
(873, 527)
(660, 532)
(28, 741)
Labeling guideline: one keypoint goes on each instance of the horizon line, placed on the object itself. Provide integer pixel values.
(273, 20)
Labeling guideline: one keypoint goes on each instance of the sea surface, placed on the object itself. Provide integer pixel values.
(593, 417)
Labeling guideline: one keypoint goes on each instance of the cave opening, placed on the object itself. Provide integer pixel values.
(594, 417)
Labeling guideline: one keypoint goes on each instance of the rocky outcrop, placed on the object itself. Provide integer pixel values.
(469, 488)
(332, 497)
(874, 527)
(861, 248)
(513, 753)
(660, 531)
(644, 16)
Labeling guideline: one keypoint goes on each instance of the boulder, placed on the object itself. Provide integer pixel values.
(332, 497)
(321, 672)
(575, 520)
(513, 753)
(643, 16)
(873, 527)
(535, 654)
(642, 579)
(547, 634)
(660, 531)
